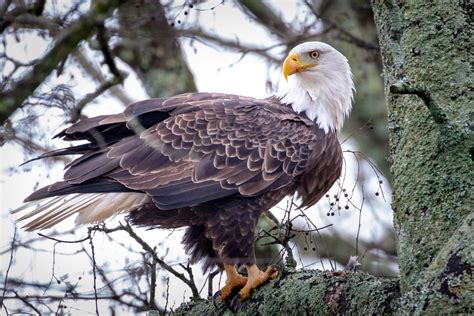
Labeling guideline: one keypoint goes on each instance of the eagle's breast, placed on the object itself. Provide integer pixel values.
(323, 169)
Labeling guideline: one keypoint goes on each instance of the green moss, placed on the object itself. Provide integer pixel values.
(311, 293)
(429, 44)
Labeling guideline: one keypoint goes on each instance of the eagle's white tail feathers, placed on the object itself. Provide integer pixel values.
(91, 208)
(109, 205)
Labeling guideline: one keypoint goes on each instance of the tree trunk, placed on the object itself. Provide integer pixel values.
(425, 50)
(425, 47)
(150, 47)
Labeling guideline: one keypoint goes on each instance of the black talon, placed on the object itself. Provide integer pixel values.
(215, 298)
(235, 303)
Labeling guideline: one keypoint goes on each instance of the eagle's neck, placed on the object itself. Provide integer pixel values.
(325, 97)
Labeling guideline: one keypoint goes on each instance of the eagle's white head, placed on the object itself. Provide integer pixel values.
(319, 84)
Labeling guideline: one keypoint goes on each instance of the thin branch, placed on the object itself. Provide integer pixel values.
(7, 18)
(206, 37)
(5, 282)
(91, 70)
(189, 282)
(151, 302)
(404, 87)
(94, 273)
(64, 241)
(265, 15)
(81, 29)
(29, 144)
(211, 276)
(167, 298)
(105, 49)
(31, 21)
(76, 112)
(27, 303)
(76, 297)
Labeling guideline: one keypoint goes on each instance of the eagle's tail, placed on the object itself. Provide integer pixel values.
(90, 207)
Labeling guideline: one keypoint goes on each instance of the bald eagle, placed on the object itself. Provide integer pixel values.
(210, 162)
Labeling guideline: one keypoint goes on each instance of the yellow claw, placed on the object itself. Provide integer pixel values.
(256, 277)
(234, 280)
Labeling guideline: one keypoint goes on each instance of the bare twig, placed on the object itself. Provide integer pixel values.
(167, 294)
(264, 14)
(211, 277)
(105, 49)
(7, 18)
(81, 29)
(26, 302)
(94, 265)
(209, 38)
(127, 228)
(151, 301)
(104, 86)
(5, 282)
(64, 241)
(91, 70)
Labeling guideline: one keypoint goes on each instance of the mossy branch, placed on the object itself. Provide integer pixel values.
(310, 292)
(424, 94)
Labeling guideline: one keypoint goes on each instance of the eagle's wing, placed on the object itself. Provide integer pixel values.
(189, 149)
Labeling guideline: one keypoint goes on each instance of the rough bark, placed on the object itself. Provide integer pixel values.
(308, 293)
(425, 47)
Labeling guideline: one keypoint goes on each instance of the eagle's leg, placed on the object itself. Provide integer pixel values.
(256, 277)
(234, 280)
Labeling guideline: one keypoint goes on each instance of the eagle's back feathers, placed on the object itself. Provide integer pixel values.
(172, 162)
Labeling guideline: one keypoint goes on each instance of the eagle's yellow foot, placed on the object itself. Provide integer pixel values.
(234, 280)
(256, 277)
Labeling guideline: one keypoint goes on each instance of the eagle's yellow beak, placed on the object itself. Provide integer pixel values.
(293, 64)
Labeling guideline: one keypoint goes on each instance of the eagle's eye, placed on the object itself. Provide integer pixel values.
(314, 54)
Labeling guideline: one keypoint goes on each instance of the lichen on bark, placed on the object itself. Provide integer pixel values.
(309, 292)
(427, 45)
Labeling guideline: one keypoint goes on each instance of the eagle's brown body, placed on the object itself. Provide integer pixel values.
(212, 162)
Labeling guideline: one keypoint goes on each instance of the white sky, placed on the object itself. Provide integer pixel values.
(213, 72)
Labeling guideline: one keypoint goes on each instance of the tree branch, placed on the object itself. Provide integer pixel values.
(104, 47)
(264, 15)
(310, 292)
(8, 17)
(5, 282)
(91, 70)
(76, 113)
(403, 87)
(81, 29)
(152, 252)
